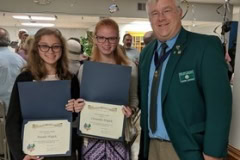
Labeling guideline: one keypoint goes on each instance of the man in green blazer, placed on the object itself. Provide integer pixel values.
(193, 101)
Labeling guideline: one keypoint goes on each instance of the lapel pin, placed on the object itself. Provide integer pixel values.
(178, 49)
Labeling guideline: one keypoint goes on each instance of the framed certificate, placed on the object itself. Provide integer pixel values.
(46, 127)
(102, 120)
(47, 138)
(105, 89)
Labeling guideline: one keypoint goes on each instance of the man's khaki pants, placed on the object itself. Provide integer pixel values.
(161, 150)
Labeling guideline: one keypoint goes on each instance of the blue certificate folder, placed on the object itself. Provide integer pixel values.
(105, 83)
(45, 100)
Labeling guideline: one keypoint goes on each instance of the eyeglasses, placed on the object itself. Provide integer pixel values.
(111, 40)
(165, 12)
(45, 48)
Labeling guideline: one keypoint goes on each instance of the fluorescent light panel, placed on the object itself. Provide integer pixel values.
(21, 17)
(40, 18)
(38, 24)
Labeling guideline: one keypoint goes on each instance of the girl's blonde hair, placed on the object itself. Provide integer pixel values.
(119, 56)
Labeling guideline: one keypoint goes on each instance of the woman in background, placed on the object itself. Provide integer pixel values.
(106, 50)
(46, 61)
(25, 47)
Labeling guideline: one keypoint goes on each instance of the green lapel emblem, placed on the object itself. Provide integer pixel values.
(186, 76)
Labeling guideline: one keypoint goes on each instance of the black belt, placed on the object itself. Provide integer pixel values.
(162, 140)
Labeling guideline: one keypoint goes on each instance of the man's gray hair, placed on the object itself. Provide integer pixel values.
(178, 3)
(4, 37)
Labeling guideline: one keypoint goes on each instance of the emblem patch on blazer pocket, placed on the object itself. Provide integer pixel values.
(186, 76)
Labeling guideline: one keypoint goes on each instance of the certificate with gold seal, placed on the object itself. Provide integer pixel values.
(102, 120)
(47, 137)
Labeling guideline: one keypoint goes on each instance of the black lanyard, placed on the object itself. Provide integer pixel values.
(162, 58)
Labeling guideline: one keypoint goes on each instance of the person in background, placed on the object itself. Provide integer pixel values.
(132, 53)
(25, 48)
(47, 61)
(148, 37)
(22, 35)
(185, 95)
(123, 49)
(106, 50)
(10, 66)
(83, 56)
(76, 56)
(232, 55)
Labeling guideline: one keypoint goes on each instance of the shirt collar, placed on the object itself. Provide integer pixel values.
(170, 42)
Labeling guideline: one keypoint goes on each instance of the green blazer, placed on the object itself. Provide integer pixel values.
(196, 97)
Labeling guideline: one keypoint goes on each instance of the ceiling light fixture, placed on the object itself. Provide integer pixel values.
(21, 17)
(40, 18)
(43, 18)
(38, 24)
(113, 7)
(43, 2)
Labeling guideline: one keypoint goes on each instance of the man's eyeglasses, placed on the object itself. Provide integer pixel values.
(165, 12)
(111, 40)
(45, 48)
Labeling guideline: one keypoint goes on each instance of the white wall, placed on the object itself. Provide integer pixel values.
(235, 129)
(205, 12)
(67, 33)
(127, 8)
(206, 29)
(236, 11)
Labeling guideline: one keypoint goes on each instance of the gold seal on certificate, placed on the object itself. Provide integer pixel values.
(102, 120)
(47, 137)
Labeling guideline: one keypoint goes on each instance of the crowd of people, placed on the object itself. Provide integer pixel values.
(179, 82)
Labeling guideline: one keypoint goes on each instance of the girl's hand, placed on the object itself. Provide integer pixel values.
(127, 111)
(206, 157)
(28, 157)
(78, 105)
(70, 106)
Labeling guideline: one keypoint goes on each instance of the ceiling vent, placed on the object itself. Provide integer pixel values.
(141, 6)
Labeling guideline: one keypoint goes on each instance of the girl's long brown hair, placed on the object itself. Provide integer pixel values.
(35, 63)
(119, 56)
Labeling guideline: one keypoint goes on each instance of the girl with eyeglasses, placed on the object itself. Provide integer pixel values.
(47, 61)
(106, 50)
